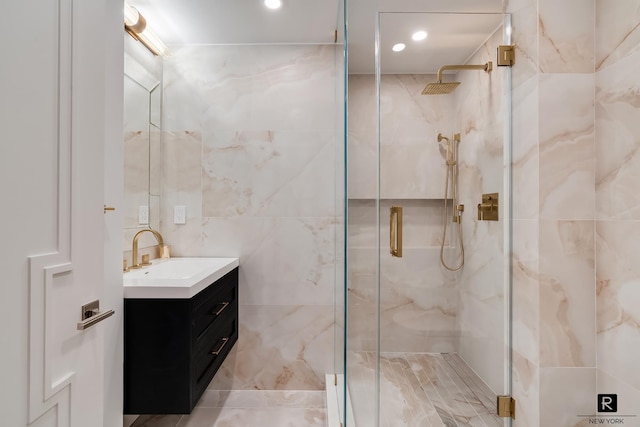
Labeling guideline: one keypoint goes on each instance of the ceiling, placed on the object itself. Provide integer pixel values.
(451, 38)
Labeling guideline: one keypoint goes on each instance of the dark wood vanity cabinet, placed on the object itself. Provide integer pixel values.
(174, 347)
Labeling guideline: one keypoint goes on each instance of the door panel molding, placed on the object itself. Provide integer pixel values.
(45, 392)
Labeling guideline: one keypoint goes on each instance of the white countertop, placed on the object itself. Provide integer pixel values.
(176, 277)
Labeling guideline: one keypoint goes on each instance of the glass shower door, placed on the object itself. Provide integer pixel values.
(429, 224)
(443, 129)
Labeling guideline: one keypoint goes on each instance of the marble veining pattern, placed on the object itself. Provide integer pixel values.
(411, 163)
(617, 30)
(524, 23)
(566, 36)
(526, 390)
(525, 152)
(566, 393)
(526, 290)
(251, 138)
(617, 144)
(618, 204)
(618, 299)
(421, 389)
(279, 348)
(268, 173)
(567, 189)
(578, 166)
(567, 288)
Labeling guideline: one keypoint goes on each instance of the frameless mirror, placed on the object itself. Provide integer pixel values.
(142, 150)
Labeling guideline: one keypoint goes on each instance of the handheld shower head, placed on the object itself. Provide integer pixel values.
(447, 152)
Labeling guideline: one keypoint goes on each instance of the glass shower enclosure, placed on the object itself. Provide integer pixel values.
(428, 224)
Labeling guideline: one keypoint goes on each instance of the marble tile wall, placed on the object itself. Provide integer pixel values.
(411, 158)
(617, 229)
(251, 149)
(575, 126)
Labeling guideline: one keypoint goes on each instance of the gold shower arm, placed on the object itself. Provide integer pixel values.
(486, 67)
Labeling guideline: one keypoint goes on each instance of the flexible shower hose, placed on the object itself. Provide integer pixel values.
(445, 216)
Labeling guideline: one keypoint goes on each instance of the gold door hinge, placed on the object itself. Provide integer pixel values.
(506, 55)
(506, 407)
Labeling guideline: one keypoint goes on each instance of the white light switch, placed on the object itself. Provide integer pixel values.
(143, 215)
(180, 214)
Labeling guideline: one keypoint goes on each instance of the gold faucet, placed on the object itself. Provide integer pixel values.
(134, 250)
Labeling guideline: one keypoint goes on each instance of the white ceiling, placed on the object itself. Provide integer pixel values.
(452, 38)
(179, 22)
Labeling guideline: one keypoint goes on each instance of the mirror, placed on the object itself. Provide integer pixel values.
(142, 148)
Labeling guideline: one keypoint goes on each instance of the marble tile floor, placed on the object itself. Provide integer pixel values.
(416, 390)
(420, 389)
(248, 408)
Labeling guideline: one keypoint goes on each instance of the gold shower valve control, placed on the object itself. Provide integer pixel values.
(488, 209)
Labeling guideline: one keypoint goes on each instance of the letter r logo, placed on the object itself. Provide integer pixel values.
(607, 403)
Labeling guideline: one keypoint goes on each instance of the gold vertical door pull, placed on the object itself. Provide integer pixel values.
(395, 231)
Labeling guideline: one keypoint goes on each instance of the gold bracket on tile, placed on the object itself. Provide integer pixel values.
(488, 209)
(506, 407)
(506, 55)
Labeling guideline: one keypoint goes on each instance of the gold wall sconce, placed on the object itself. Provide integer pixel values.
(136, 25)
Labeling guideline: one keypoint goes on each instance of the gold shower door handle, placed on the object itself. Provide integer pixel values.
(395, 231)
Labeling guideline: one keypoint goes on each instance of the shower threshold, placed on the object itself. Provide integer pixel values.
(336, 401)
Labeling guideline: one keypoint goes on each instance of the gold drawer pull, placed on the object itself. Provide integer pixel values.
(221, 309)
(224, 342)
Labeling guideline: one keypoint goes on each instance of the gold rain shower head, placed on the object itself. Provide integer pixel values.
(443, 88)
(440, 88)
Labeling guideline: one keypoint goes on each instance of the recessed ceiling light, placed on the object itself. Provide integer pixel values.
(273, 4)
(398, 47)
(419, 35)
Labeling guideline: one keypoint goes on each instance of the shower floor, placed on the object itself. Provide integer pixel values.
(420, 389)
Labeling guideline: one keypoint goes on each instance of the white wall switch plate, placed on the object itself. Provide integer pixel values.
(143, 215)
(180, 214)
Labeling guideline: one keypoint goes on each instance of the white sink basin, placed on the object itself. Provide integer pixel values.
(176, 277)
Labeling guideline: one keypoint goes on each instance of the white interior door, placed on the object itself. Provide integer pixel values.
(55, 118)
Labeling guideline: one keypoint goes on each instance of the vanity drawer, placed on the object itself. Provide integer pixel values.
(214, 303)
(212, 350)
